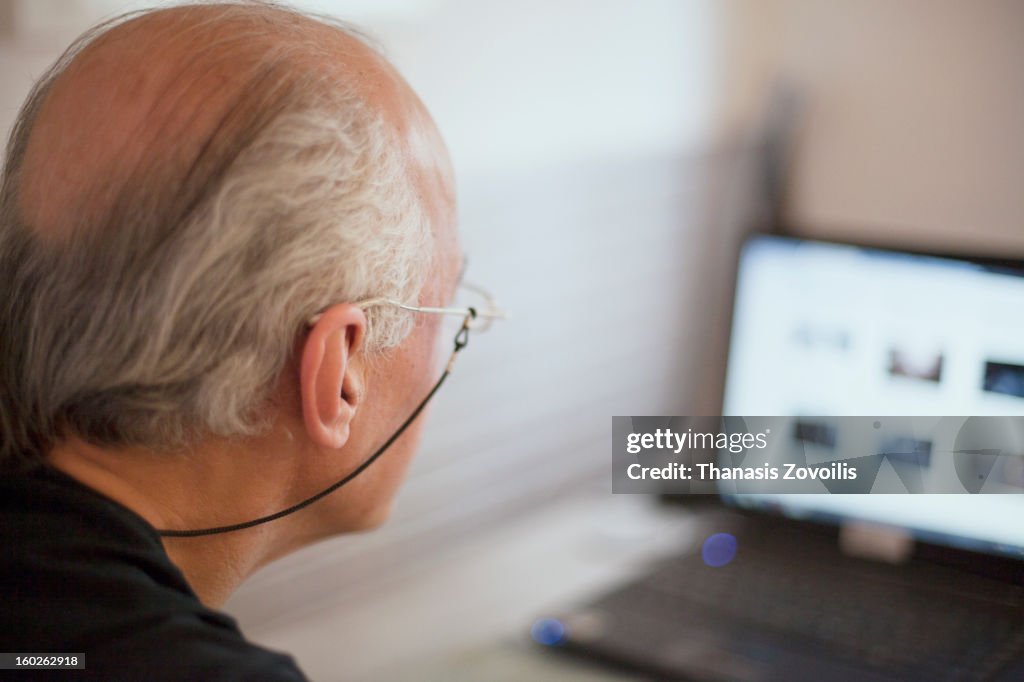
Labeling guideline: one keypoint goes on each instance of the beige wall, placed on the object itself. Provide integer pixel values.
(913, 114)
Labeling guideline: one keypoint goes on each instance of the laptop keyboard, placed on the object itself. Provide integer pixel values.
(932, 623)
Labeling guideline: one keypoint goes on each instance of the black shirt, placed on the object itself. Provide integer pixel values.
(79, 573)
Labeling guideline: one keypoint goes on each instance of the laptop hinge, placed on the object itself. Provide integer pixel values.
(878, 543)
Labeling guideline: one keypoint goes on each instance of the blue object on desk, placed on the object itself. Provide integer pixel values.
(719, 549)
(548, 631)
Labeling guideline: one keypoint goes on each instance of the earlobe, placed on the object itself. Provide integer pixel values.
(330, 374)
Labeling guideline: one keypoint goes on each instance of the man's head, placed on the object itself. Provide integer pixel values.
(181, 193)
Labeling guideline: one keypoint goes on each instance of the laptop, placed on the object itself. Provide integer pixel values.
(843, 587)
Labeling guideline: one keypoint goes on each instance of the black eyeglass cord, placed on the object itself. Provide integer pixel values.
(461, 340)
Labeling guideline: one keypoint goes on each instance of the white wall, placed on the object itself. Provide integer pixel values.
(517, 86)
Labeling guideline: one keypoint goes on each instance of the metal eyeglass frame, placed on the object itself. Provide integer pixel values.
(480, 319)
(473, 320)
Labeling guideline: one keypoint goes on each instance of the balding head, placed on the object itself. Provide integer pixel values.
(169, 98)
(182, 191)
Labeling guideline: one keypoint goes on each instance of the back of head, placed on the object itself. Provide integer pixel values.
(169, 220)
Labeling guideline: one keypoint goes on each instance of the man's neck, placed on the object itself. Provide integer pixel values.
(213, 566)
(170, 492)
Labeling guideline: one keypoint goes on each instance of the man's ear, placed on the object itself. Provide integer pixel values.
(331, 382)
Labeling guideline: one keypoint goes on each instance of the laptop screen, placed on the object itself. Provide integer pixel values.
(830, 329)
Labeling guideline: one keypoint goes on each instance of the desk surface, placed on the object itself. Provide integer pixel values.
(464, 613)
(513, 661)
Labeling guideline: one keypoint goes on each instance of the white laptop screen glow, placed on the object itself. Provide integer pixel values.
(829, 329)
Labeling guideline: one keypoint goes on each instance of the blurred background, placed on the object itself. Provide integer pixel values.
(611, 155)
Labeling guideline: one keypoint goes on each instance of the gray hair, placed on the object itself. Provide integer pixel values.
(175, 317)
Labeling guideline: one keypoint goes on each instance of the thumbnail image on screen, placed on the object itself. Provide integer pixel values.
(915, 364)
(1002, 377)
